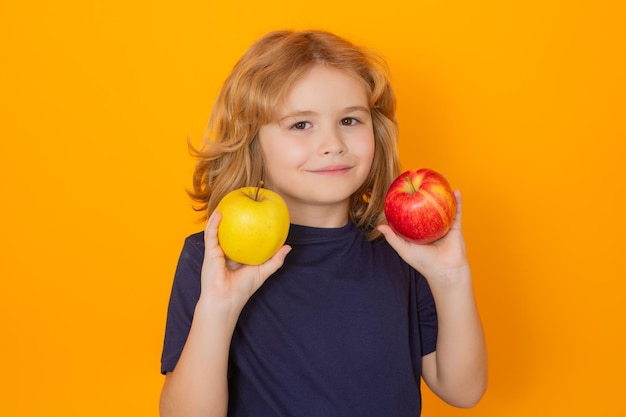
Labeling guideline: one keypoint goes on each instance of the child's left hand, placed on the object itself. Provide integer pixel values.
(442, 261)
(457, 370)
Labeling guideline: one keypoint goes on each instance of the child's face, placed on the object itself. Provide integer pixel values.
(320, 149)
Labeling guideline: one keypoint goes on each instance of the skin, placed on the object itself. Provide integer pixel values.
(320, 149)
(457, 370)
(318, 152)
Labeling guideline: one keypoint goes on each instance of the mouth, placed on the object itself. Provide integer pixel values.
(332, 170)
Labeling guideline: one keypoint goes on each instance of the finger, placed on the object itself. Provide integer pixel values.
(211, 245)
(459, 203)
(459, 209)
(395, 241)
(274, 263)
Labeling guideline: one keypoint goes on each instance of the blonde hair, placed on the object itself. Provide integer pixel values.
(230, 156)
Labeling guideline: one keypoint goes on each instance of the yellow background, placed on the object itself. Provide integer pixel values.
(521, 104)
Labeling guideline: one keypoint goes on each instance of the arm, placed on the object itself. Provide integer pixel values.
(198, 385)
(457, 370)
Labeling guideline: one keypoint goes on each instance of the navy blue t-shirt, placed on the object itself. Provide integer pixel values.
(339, 330)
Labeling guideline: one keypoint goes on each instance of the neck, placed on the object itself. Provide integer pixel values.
(323, 217)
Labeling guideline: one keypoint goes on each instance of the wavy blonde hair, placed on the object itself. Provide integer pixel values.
(230, 156)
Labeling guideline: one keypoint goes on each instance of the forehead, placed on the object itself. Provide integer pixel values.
(321, 85)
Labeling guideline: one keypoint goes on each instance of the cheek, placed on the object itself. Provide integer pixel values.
(372, 150)
(290, 153)
(283, 157)
(367, 157)
(366, 149)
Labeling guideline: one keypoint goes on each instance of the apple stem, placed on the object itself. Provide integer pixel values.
(408, 180)
(258, 188)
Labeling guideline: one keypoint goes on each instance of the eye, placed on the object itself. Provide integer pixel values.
(300, 125)
(348, 121)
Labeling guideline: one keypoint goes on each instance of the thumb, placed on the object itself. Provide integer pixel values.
(396, 242)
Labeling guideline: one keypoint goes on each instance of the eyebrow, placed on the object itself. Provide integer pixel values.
(305, 113)
(357, 108)
(295, 114)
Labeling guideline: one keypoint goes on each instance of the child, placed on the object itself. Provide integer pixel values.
(347, 316)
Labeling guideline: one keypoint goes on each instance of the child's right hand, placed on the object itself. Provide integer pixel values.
(226, 283)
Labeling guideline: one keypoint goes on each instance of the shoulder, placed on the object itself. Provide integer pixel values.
(193, 245)
(385, 256)
(191, 258)
(384, 250)
(195, 240)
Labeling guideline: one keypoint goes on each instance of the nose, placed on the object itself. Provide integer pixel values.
(332, 143)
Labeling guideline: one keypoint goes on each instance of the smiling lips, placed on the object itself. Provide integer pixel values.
(332, 170)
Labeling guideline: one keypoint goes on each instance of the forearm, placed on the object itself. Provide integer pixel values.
(198, 385)
(460, 374)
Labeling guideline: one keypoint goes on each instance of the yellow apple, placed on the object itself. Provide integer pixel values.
(254, 225)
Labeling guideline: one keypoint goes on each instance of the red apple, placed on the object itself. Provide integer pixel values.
(420, 206)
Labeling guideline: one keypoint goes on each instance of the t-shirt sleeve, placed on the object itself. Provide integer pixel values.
(427, 317)
(183, 299)
(422, 320)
